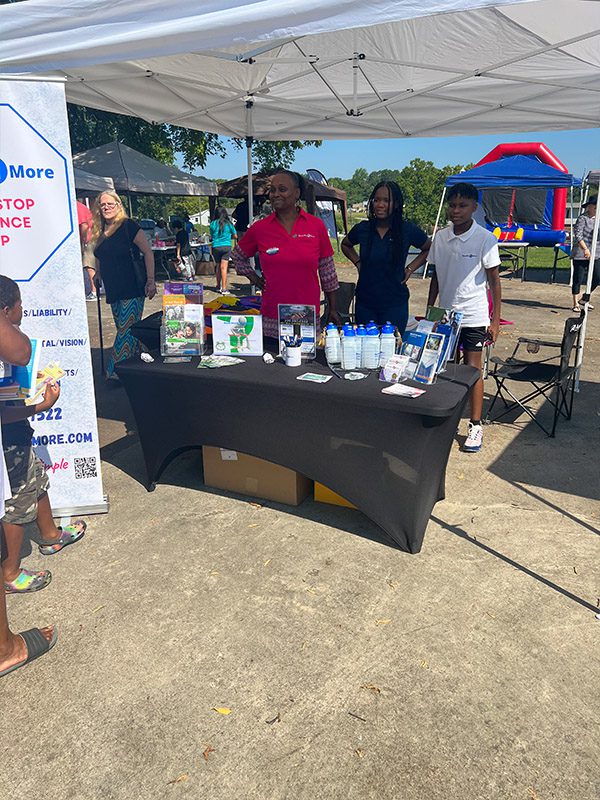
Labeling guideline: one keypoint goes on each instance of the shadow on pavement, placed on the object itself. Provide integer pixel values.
(185, 471)
(561, 464)
(457, 531)
(521, 303)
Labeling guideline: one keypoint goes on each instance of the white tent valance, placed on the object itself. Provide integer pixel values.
(321, 69)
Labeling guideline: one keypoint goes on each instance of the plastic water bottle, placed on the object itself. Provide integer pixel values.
(370, 358)
(349, 348)
(387, 344)
(361, 333)
(333, 348)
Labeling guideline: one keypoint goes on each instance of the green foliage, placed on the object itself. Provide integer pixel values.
(92, 128)
(421, 182)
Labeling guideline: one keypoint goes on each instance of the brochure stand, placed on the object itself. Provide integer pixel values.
(298, 323)
(182, 329)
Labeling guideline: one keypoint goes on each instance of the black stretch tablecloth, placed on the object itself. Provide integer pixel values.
(147, 330)
(385, 454)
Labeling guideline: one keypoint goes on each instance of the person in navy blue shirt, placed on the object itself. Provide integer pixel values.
(384, 240)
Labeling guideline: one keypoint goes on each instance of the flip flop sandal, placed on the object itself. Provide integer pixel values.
(69, 535)
(577, 309)
(28, 581)
(36, 644)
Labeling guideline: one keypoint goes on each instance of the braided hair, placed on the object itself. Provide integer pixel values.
(395, 222)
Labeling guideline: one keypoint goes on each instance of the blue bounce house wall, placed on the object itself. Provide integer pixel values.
(531, 211)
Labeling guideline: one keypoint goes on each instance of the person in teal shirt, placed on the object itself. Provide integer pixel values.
(223, 236)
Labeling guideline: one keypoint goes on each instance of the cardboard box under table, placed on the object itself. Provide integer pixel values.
(238, 472)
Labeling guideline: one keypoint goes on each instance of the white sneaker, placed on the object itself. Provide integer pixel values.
(474, 440)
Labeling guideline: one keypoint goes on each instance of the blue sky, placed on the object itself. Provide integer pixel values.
(578, 150)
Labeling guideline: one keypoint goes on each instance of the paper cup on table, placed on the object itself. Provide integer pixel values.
(292, 356)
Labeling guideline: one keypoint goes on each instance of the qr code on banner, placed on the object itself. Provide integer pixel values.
(85, 467)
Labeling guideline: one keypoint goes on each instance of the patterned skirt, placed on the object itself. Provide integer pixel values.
(125, 314)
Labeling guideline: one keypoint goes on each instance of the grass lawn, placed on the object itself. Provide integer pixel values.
(537, 257)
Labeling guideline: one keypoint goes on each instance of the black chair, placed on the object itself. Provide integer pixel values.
(554, 381)
(344, 301)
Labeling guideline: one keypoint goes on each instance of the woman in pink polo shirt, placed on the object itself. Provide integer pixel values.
(296, 257)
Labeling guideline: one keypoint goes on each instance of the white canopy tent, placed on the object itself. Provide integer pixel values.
(323, 70)
(277, 70)
(356, 69)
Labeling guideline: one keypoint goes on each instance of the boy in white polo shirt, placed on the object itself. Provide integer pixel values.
(466, 261)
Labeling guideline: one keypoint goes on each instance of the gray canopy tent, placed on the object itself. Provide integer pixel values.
(133, 172)
(87, 183)
(238, 187)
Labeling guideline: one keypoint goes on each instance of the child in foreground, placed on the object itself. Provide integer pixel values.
(27, 477)
(186, 263)
(466, 261)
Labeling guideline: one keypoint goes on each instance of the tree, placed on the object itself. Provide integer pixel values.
(357, 188)
(421, 182)
(90, 127)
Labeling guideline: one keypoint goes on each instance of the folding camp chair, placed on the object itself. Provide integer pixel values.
(344, 301)
(554, 381)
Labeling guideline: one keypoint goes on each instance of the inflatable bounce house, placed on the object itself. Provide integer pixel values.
(522, 193)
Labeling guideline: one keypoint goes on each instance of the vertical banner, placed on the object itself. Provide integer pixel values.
(39, 248)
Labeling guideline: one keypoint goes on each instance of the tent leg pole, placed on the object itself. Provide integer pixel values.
(588, 289)
(249, 141)
(100, 332)
(437, 220)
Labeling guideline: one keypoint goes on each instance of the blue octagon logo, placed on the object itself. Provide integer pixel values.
(36, 217)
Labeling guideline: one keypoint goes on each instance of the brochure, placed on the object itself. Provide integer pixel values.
(448, 322)
(403, 390)
(182, 331)
(427, 367)
(213, 362)
(412, 346)
(52, 372)
(298, 321)
(23, 384)
(237, 334)
(314, 377)
(394, 369)
(191, 292)
(423, 351)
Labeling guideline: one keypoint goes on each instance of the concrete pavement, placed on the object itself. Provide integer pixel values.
(351, 669)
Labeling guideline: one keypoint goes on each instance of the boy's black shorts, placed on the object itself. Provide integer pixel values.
(472, 340)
